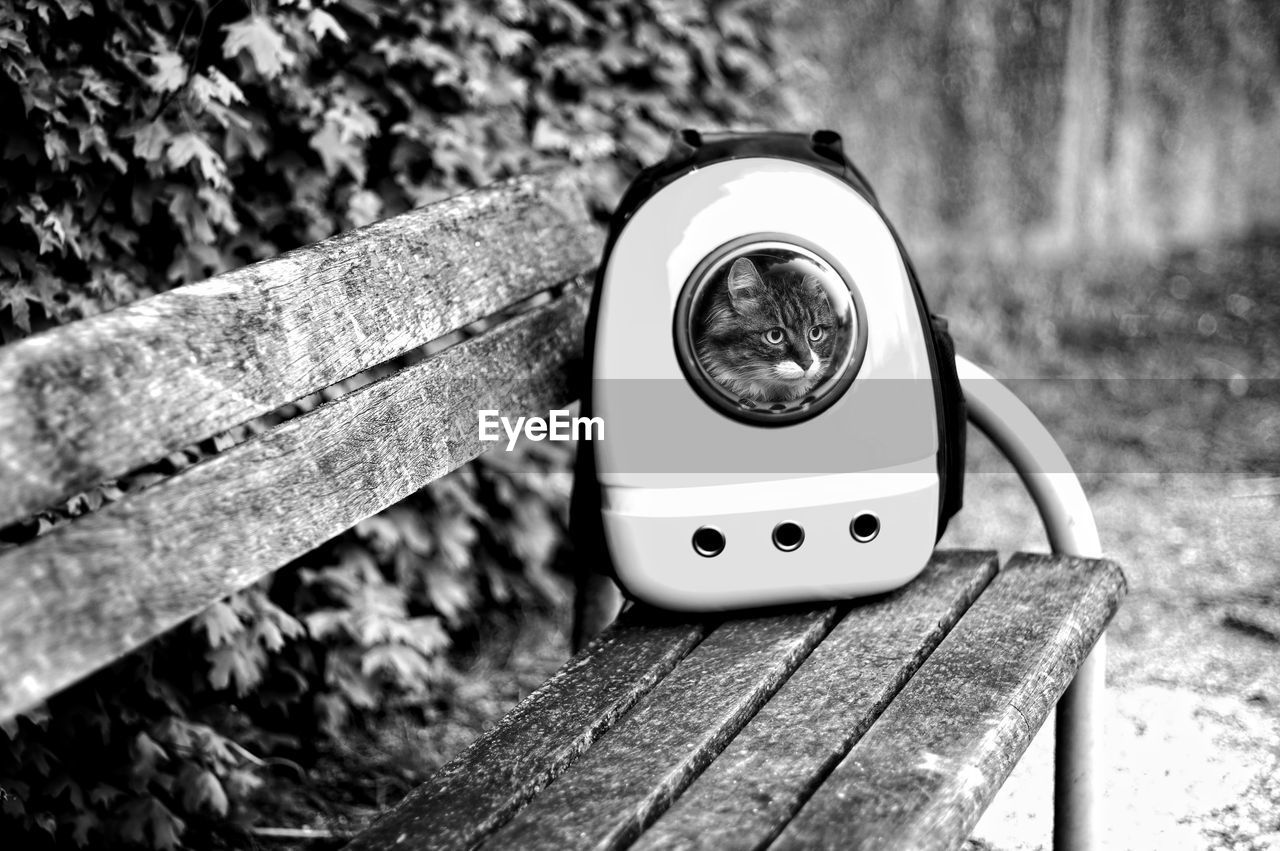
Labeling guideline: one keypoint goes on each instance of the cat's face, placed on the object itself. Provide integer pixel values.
(768, 338)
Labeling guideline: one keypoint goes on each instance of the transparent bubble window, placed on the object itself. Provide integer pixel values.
(769, 331)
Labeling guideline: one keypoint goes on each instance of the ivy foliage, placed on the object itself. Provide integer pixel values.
(149, 144)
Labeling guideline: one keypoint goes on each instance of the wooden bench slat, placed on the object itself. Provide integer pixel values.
(480, 789)
(752, 789)
(633, 772)
(96, 587)
(95, 399)
(925, 771)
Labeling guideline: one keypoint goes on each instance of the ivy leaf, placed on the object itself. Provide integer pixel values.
(414, 530)
(145, 816)
(548, 137)
(404, 665)
(337, 153)
(200, 788)
(236, 664)
(427, 635)
(449, 596)
(215, 87)
(217, 208)
(327, 623)
(166, 828)
(269, 635)
(150, 140)
(568, 17)
(171, 72)
(75, 8)
(147, 754)
(455, 536)
(380, 533)
(456, 491)
(189, 146)
(241, 782)
(83, 824)
(355, 687)
(220, 624)
(275, 625)
(243, 137)
(378, 609)
(63, 784)
(262, 41)
(352, 119)
(536, 533)
(103, 794)
(507, 42)
(364, 208)
(12, 39)
(188, 213)
(14, 295)
(57, 150)
(320, 24)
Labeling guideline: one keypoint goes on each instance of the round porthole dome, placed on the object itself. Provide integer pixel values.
(769, 331)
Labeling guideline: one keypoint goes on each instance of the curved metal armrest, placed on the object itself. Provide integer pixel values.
(1044, 469)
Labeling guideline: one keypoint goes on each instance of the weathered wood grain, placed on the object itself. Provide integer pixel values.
(925, 771)
(752, 789)
(630, 775)
(96, 587)
(102, 396)
(480, 789)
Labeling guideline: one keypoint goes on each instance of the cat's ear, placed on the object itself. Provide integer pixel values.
(813, 286)
(744, 283)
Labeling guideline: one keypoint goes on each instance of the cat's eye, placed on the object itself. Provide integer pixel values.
(774, 336)
(816, 333)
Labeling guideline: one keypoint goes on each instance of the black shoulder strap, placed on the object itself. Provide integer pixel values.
(951, 447)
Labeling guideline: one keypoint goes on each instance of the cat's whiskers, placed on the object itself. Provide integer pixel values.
(750, 372)
(788, 370)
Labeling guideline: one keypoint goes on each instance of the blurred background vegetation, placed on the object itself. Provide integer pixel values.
(1089, 188)
(1049, 124)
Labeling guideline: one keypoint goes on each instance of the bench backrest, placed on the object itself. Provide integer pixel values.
(92, 401)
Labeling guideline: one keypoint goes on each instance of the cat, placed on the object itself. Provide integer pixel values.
(766, 338)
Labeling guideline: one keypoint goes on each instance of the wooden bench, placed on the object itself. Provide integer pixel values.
(888, 722)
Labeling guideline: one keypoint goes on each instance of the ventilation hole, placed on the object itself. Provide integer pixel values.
(864, 527)
(708, 541)
(788, 536)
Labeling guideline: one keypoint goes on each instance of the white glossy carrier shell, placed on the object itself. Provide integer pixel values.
(670, 463)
